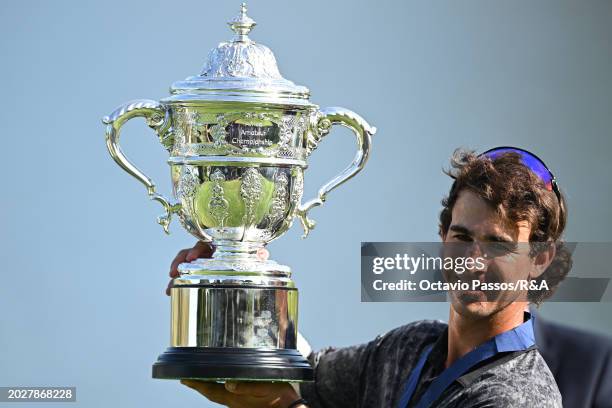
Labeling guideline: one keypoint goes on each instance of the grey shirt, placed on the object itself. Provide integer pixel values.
(374, 374)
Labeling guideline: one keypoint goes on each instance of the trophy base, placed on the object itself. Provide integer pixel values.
(233, 363)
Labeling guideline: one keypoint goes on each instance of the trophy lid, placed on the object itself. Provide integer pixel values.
(240, 70)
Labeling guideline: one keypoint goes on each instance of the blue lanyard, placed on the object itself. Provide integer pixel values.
(519, 338)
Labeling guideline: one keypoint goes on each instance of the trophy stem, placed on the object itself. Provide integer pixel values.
(226, 249)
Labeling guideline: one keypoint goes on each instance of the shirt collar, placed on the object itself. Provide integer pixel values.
(519, 338)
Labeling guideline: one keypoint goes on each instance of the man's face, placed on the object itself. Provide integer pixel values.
(477, 230)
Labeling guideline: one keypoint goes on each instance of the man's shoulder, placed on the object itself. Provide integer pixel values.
(412, 336)
(524, 380)
(418, 332)
(377, 368)
(398, 349)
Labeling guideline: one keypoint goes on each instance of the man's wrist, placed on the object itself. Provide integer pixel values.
(298, 403)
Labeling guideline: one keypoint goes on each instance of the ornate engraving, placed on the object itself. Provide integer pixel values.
(184, 121)
(319, 127)
(242, 57)
(301, 125)
(188, 182)
(179, 135)
(235, 59)
(218, 205)
(298, 186)
(190, 118)
(217, 132)
(294, 126)
(250, 191)
(286, 128)
(214, 135)
(279, 201)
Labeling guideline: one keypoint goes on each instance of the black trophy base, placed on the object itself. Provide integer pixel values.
(229, 363)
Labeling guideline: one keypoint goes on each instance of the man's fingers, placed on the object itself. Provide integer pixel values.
(263, 254)
(200, 250)
(244, 394)
(180, 258)
(213, 391)
(253, 389)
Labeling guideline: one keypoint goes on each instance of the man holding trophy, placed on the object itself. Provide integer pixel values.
(486, 355)
(239, 136)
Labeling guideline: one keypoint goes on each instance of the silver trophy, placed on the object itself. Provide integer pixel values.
(239, 136)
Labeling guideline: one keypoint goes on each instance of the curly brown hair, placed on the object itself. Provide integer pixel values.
(517, 194)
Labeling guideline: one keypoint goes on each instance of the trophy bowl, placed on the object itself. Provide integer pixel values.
(236, 203)
(238, 136)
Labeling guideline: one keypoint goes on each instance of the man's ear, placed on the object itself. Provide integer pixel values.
(543, 259)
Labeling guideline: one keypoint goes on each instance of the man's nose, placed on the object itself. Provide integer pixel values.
(477, 253)
(474, 250)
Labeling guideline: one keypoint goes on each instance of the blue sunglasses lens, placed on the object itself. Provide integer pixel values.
(532, 162)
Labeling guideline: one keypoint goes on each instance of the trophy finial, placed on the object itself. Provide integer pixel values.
(242, 25)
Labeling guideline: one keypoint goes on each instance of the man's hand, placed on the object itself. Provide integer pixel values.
(246, 394)
(200, 250)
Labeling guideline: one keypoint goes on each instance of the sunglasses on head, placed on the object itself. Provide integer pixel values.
(531, 161)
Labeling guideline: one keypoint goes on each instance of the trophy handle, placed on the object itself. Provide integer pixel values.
(158, 119)
(363, 134)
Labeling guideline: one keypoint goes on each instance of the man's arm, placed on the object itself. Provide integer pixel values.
(508, 396)
(338, 375)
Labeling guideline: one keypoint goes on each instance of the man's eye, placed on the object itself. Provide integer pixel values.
(501, 248)
(463, 237)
